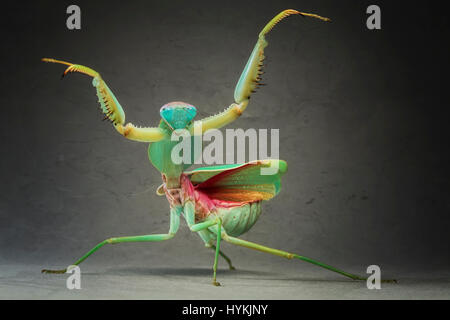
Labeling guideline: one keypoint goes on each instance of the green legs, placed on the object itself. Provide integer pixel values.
(174, 224)
(225, 257)
(216, 258)
(189, 214)
(286, 254)
(219, 233)
(145, 238)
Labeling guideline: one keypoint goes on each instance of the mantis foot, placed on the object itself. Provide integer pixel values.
(389, 281)
(53, 271)
(382, 280)
(215, 283)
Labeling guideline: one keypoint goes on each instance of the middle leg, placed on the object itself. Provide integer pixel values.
(174, 224)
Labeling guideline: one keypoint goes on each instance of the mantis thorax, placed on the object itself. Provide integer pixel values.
(175, 115)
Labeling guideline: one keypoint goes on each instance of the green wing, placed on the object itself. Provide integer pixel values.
(202, 174)
(240, 182)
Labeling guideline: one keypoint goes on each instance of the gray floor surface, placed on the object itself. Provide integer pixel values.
(19, 281)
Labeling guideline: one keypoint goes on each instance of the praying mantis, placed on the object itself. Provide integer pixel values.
(218, 202)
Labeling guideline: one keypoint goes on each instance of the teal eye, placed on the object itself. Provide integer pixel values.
(191, 112)
(178, 114)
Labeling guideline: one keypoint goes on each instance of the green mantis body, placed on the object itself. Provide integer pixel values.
(220, 202)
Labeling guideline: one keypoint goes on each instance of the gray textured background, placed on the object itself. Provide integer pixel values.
(362, 118)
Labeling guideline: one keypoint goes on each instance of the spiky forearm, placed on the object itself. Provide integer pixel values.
(111, 107)
(250, 79)
(140, 134)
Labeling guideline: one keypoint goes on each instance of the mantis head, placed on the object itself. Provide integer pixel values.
(178, 115)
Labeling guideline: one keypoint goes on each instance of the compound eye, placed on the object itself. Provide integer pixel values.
(191, 110)
(164, 111)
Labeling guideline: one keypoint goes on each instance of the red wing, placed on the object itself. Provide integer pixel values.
(245, 183)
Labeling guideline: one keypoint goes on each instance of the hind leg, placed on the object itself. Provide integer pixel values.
(225, 257)
(285, 254)
(208, 238)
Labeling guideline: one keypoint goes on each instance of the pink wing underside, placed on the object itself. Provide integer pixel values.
(205, 200)
(204, 204)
